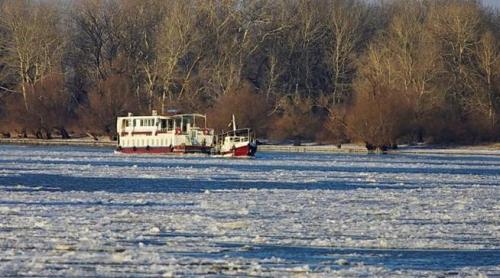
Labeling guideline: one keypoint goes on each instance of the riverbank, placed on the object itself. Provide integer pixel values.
(59, 142)
(490, 149)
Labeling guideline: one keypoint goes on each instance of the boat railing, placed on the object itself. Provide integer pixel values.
(242, 132)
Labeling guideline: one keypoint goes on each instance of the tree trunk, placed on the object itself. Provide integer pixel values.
(38, 134)
(48, 135)
(64, 133)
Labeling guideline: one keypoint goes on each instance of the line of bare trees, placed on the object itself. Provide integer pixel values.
(336, 71)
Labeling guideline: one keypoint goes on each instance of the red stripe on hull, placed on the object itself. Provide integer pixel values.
(156, 150)
(242, 151)
(165, 150)
(191, 149)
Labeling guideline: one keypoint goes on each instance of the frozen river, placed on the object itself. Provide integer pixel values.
(75, 211)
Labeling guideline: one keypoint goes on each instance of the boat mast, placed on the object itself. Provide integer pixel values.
(234, 124)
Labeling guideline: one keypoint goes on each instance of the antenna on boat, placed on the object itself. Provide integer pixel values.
(234, 124)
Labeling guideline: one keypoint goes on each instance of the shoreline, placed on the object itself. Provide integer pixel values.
(492, 149)
(57, 142)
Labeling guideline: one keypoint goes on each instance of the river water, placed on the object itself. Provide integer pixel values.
(77, 211)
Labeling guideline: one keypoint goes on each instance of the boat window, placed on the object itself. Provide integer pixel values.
(178, 123)
(186, 122)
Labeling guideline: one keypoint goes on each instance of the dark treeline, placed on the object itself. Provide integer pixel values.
(333, 71)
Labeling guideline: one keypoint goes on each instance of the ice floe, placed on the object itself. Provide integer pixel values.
(87, 212)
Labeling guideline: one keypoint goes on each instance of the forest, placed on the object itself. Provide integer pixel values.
(381, 73)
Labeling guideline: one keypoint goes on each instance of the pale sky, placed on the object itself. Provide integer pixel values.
(493, 3)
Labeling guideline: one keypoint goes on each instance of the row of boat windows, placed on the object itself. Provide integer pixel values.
(146, 142)
(162, 123)
(139, 122)
(236, 139)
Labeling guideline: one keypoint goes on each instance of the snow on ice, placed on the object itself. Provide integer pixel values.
(68, 211)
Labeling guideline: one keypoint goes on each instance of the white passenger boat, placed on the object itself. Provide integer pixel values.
(181, 133)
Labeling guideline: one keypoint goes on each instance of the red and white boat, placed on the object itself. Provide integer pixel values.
(181, 133)
(237, 143)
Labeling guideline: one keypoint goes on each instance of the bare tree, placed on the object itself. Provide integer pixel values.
(176, 39)
(488, 97)
(456, 26)
(346, 21)
(142, 22)
(34, 44)
(111, 98)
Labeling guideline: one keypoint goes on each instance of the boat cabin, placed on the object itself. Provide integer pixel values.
(157, 131)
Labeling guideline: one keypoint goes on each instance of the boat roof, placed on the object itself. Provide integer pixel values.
(165, 117)
(236, 133)
(190, 115)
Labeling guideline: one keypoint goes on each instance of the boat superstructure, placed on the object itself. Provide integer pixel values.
(181, 133)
